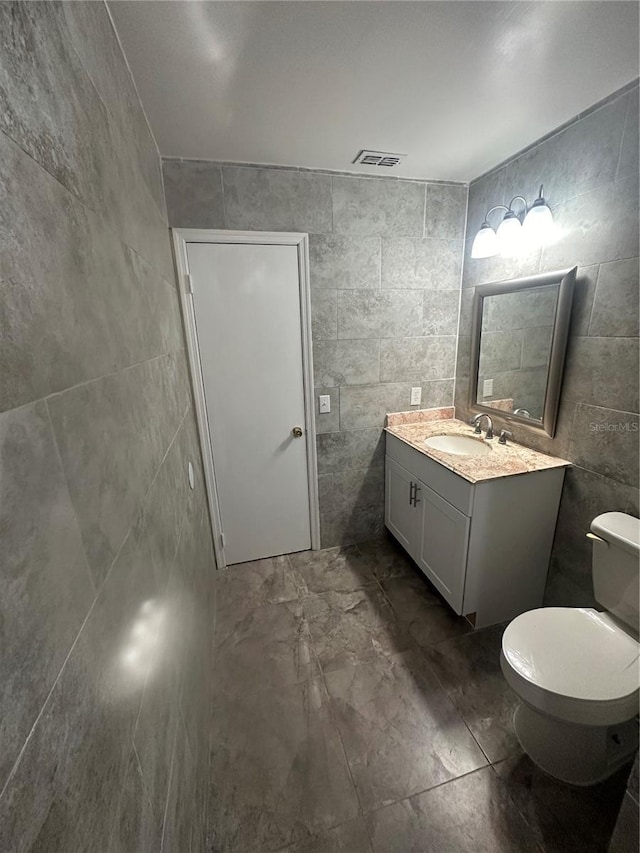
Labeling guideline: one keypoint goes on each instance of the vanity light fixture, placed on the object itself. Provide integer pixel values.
(531, 226)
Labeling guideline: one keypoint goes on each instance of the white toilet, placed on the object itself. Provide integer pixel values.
(576, 670)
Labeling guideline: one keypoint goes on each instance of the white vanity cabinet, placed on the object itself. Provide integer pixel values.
(485, 546)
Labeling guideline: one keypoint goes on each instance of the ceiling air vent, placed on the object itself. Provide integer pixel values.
(378, 158)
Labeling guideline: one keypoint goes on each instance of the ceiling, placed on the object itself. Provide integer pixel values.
(457, 86)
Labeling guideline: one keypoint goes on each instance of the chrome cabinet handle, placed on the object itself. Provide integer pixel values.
(411, 485)
(296, 432)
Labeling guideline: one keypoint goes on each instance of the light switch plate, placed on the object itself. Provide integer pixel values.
(324, 403)
(416, 396)
(487, 388)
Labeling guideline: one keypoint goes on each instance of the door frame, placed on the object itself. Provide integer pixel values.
(180, 238)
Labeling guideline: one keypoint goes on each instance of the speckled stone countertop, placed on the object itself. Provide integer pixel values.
(504, 460)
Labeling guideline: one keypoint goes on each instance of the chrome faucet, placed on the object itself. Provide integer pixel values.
(475, 422)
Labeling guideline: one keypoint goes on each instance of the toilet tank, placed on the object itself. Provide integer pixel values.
(616, 569)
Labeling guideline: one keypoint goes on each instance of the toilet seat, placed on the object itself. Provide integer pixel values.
(574, 664)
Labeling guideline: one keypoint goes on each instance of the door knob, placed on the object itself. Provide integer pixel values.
(297, 432)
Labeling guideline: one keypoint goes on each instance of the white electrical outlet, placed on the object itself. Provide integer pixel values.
(324, 403)
(416, 396)
(487, 388)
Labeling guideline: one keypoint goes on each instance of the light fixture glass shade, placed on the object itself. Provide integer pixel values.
(509, 234)
(538, 223)
(485, 243)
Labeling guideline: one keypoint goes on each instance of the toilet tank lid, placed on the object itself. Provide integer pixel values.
(620, 529)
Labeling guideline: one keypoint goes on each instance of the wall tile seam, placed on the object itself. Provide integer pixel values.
(222, 192)
(112, 117)
(190, 747)
(460, 288)
(332, 210)
(618, 484)
(159, 273)
(424, 214)
(18, 760)
(174, 739)
(611, 182)
(578, 403)
(142, 776)
(622, 135)
(86, 619)
(233, 164)
(574, 338)
(105, 223)
(54, 436)
(594, 108)
(558, 205)
(109, 375)
(116, 811)
(140, 104)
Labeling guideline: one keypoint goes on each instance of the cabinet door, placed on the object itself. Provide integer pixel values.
(444, 538)
(400, 516)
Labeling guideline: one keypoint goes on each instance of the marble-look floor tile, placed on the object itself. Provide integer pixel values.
(278, 772)
(400, 731)
(627, 829)
(269, 646)
(332, 569)
(352, 627)
(386, 558)
(469, 668)
(243, 587)
(417, 605)
(350, 837)
(563, 817)
(473, 814)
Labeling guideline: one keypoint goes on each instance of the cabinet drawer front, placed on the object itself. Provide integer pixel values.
(443, 545)
(454, 489)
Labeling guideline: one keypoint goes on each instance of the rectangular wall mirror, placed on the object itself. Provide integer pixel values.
(519, 340)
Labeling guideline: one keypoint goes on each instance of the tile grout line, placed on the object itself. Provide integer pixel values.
(81, 629)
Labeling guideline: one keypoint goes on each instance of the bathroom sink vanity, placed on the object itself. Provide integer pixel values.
(480, 525)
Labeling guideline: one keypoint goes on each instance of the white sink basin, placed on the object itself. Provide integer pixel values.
(459, 445)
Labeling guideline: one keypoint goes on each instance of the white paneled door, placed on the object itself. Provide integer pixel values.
(250, 319)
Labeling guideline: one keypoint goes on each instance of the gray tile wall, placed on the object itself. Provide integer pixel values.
(105, 553)
(385, 259)
(590, 174)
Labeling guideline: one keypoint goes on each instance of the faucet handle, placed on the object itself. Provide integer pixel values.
(503, 436)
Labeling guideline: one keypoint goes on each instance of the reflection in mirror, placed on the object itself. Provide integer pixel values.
(515, 350)
(519, 340)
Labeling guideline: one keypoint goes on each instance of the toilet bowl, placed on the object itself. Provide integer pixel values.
(576, 670)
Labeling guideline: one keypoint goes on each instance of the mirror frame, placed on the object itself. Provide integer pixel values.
(566, 280)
